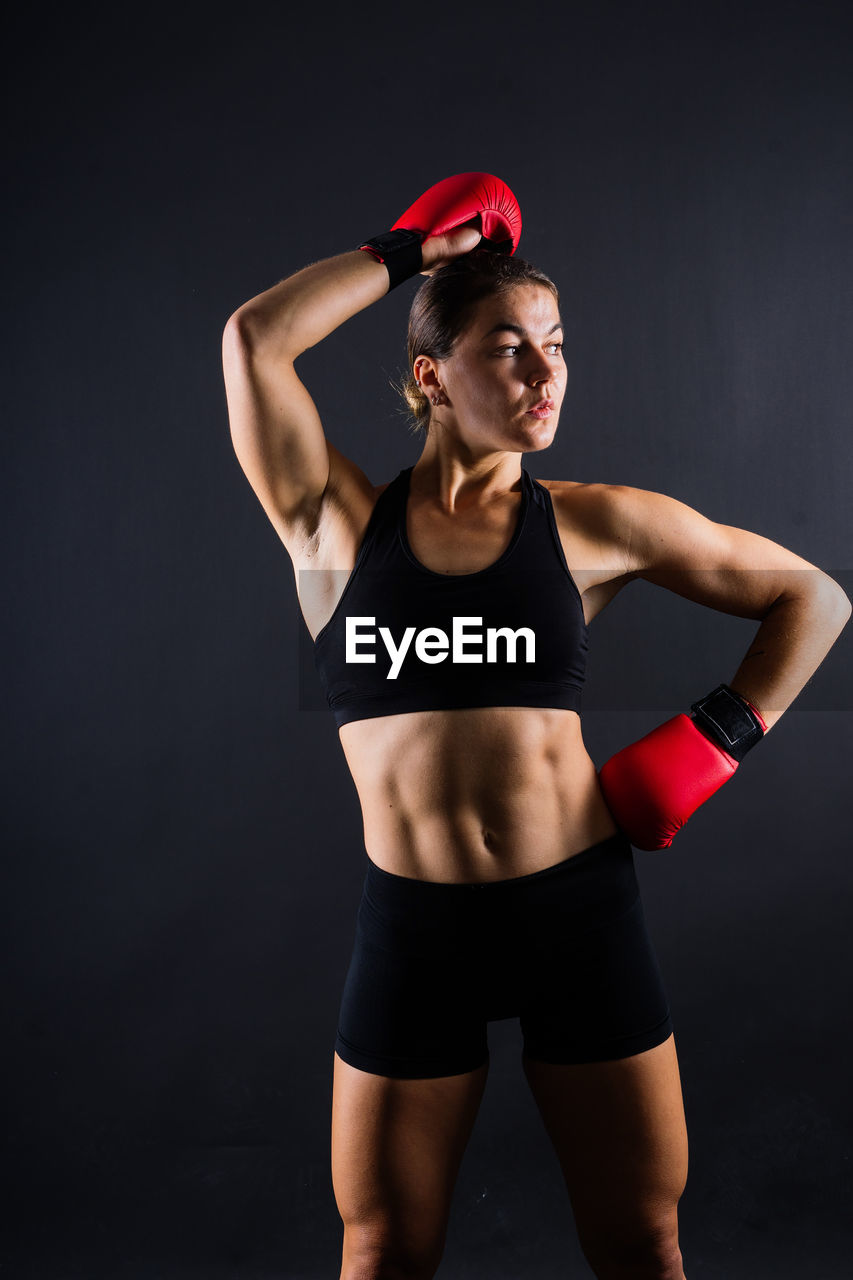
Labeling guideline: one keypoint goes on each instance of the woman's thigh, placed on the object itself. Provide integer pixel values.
(396, 1150)
(619, 1132)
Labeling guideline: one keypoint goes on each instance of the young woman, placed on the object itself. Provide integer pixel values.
(449, 609)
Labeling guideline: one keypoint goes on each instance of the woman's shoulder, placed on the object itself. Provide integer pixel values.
(595, 498)
(643, 527)
(600, 495)
(611, 515)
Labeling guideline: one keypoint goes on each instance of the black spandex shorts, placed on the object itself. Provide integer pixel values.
(564, 949)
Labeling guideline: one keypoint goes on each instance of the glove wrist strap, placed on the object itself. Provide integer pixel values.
(730, 720)
(399, 251)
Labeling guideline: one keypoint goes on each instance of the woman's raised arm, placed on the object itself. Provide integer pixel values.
(275, 427)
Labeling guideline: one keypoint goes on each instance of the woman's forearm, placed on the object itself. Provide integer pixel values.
(306, 307)
(790, 644)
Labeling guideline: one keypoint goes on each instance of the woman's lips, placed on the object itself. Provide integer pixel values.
(543, 409)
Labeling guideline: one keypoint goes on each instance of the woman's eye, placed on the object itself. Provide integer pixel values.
(512, 350)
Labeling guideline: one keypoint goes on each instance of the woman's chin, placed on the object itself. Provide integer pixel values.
(539, 433)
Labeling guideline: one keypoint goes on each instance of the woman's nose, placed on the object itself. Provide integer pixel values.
(542, 371)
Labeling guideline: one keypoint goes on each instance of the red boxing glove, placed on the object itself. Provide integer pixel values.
(653, 786)
(457, 200)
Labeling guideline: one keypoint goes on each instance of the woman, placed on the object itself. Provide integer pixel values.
(449, 610)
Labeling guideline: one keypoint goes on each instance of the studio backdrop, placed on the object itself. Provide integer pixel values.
(183, 841)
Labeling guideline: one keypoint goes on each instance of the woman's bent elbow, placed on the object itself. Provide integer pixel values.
(836, 600)
(242, 330)
(250, 334)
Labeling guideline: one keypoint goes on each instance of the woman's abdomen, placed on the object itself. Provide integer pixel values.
(477, 794)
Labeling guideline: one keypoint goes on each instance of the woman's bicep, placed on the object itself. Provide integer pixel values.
(724, 567)
(275, 429)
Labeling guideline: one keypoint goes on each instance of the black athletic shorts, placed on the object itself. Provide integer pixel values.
(565, 950)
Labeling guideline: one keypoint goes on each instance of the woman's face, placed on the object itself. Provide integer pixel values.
(505, 364)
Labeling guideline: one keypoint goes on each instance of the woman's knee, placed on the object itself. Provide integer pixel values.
(646, 1250)
(381, 1251)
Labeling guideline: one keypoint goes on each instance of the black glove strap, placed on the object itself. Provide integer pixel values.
(730, 721)
(400, 251)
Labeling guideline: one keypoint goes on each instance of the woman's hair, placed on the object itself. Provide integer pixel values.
(444, 305)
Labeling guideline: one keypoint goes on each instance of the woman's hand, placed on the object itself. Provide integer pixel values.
(450, 219)
(653, 786)
(437, 251)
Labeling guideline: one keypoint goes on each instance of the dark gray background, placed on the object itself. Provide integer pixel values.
(183, 840)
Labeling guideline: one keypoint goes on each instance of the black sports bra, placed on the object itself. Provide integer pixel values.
(404, 638)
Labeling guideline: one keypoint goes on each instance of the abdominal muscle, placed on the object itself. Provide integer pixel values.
(473, 795)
